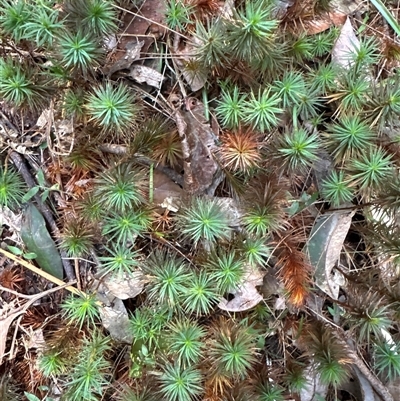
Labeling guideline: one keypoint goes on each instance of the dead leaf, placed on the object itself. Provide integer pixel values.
(324, 21)
(365, 388)
(246, 295)
(141, 73)
(324, 247)
(231, 210)
(345, 46)
(202, 173)
(5, 324)
(125, 286)
(9, 312)
(166, 193)
(183, 57)
(132, 53)
(146, 25)
(313, 387)
(114, 315)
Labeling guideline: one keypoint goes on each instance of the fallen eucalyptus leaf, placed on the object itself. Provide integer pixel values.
(202, 173)
(324, 247)
(125, 286)
(313, 387)
(37, 239)
(166, 193)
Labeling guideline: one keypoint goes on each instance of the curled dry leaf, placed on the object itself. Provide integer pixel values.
(113, 314)
(185, 56)
(324, 21)
(110, 292)
(166, 193)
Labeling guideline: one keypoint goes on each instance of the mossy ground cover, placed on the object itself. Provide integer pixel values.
(197, 150)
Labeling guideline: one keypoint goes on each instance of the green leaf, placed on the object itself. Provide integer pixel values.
(31, 397)
(30, 194)
(30, 255)
(40, 178)
(37, 239)
(378, 4)
(15, 250)
(45, 195)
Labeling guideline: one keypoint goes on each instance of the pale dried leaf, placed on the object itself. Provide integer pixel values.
(141, 73)
(202, 173)
(12, 220)
(184, 55)
(230, 209)
(345, 46)
(313, 387)
(132, 53)
(125, 286)
(324, 247)
(324, 21)
(348, 6)
(34, 339)
(114, 315)
(166, 193)
(365, 388)
(4, 326)
(246, 296)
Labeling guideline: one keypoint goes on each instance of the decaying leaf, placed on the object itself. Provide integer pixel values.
(147, 24)
(202, 172)
(166, 193)
(246, 295)
(346, 44)
(184, 57)
(364, 386)
(141, 73)
(324, 247)
(230, 208)
(110, 292)
(132, 53)
(114, 315)
(125, 286)
(314, 387)
(37, 239)
(324, 21)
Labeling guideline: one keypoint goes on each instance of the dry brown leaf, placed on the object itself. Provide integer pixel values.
(165, 192)
(202, 172)
(324, 21)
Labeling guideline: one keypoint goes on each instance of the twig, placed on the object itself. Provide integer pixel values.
(6, 322)
(374, 381)
(380, 389)
(41, 272)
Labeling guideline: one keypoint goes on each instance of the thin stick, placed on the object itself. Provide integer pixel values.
(42, 273)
